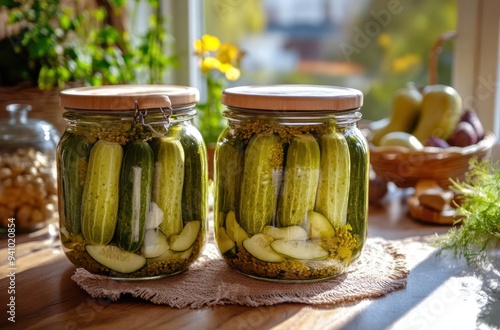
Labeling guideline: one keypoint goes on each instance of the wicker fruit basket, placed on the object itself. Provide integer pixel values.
(405, 167)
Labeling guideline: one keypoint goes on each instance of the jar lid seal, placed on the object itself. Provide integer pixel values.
(124, 97)
(293, 98)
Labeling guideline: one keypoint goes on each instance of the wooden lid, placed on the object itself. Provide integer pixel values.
(293, 98)
(123, 97)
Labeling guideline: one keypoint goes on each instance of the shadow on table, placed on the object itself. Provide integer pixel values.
(490, 274)
(423, 280)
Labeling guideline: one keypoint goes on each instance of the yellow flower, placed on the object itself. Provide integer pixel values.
(405, 63)
(224, 67)
(211, 43)
(217, 56)
(207, 43)
(233, 74)
(209, 63)
(228, 54)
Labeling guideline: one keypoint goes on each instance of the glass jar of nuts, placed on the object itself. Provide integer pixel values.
(28, 192)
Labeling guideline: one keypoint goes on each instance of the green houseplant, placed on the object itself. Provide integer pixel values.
(74, 41)
(59, 43)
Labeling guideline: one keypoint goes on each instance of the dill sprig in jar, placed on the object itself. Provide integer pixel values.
(132, 178)
(291, 180)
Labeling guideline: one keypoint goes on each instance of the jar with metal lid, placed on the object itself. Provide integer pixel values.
(132, 179)
(291, 181)
(28, 194)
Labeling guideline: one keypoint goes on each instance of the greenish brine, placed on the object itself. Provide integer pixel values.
(133, 182)
(290, 181)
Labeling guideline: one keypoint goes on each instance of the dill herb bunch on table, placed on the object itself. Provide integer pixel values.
(480, 210)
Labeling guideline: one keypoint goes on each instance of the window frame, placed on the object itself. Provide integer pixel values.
(476, 66)
(186, 23)
(476, 59)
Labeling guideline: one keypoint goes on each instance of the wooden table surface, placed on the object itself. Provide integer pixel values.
(442, 293)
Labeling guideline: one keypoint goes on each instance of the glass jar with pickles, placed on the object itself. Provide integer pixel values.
(291, 181)
(132, 179)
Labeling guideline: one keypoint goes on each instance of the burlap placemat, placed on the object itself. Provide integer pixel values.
(209, 281)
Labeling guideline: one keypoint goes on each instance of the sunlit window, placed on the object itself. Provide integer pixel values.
(376, 46)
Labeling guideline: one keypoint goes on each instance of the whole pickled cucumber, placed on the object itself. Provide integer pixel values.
(229, 157)
(74, 157)
(357, 213)
(195, 190)
(300, 183)
(168, 183)
(261, 182)
(334, 178)
(136, 180)
(100, 193)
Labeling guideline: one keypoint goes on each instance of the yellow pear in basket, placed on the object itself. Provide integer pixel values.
(441, 111)
(405, 110)
(401, 139)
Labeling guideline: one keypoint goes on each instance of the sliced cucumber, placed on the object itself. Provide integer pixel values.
(187, 236)
(290, 232)
(259, 245)
(172, 255)
(299, 249)
(234, 230)
(155, 216)
(115, 258)
(319, 226)
(224, 242)
(155, 243)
